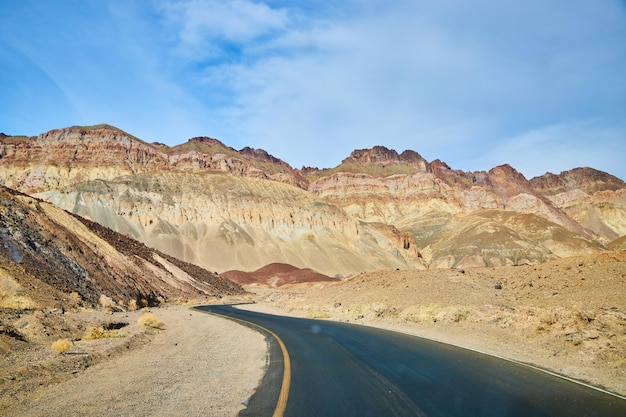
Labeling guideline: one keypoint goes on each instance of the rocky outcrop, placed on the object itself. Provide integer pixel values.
(397, 198)
(381, 156)
(207, 153)
(64, 156)
(587, 180)
(438, 207)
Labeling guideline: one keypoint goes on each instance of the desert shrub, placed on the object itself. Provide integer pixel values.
(586, 315)
(459, 314)
(132, 305)
(150, 320)
(106, 302)
(93, 333)
(548, 317)
(317, 314)
(61, 346)
(504, 322)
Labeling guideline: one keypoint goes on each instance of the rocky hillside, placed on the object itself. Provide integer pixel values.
(52, 259)
(594, 199)
(461, 219)
(223, 209)
(222, 222)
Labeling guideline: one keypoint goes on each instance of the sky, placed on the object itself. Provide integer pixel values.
(539, 85)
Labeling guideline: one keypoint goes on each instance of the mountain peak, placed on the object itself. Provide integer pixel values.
(206, 140)
(380, 156)
(261, 155)
(376, 155)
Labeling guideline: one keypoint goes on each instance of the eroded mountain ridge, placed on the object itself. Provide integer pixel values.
(220, 208)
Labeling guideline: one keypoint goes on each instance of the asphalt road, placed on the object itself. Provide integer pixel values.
(323, 368)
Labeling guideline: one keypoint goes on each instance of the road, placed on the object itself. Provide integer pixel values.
(324, 368)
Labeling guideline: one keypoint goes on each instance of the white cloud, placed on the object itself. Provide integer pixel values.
(200, 25)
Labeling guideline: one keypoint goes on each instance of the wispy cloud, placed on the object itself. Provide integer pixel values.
(205, 28)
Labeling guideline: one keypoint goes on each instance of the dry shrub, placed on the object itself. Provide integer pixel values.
(150, 320)
(317, 314)
(61, 346)
(132, 305)
(93, 333)
(106, 302)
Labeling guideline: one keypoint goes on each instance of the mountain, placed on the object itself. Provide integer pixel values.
(62, 157)
(222, 222)
(50, 258)
(594, 199)
(473, 218)
(225, 209)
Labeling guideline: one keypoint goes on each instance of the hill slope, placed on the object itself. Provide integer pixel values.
(52, 259)
(223, 222)
(276, 275)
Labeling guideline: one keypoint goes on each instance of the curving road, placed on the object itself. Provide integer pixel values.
(323, 368)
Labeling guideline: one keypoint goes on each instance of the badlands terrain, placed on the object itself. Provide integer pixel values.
(97, 227)
(222, 209)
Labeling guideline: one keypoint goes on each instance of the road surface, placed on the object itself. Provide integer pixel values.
(324, 368)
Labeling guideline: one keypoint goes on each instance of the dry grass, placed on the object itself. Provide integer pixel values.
(61, 346)
(317, 314)
(106, 302)
(93, 333)
(150, 320)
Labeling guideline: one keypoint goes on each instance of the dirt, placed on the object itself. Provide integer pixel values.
(197, 364)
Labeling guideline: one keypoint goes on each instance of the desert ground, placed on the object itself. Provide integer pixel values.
(197, 364)
(567, 316)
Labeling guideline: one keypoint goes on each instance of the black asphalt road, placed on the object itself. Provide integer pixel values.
(339, 369)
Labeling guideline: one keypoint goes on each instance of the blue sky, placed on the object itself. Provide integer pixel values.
(540, 85)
